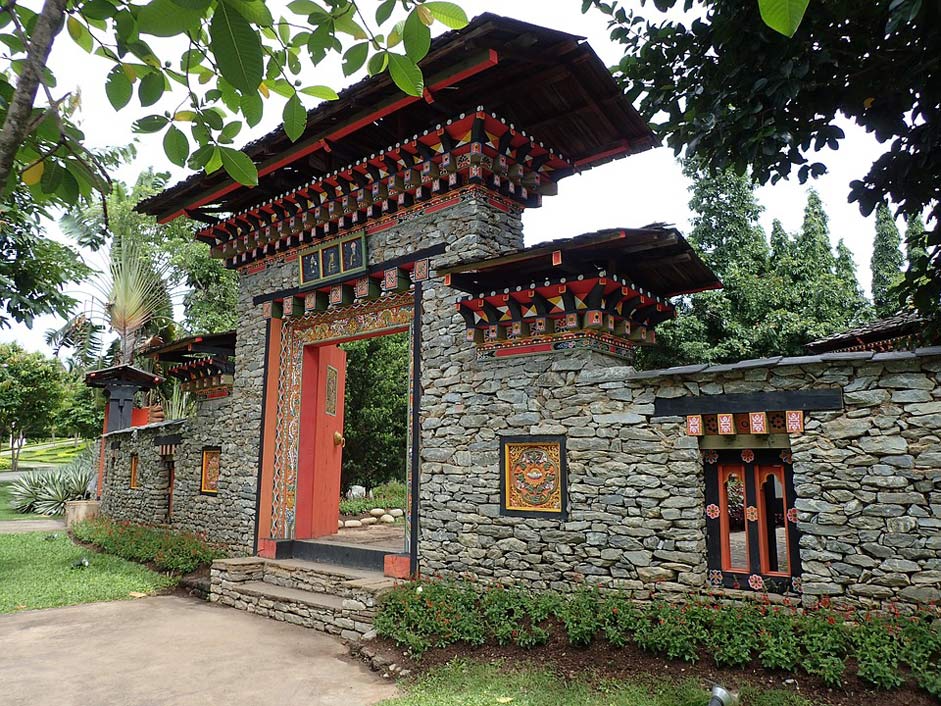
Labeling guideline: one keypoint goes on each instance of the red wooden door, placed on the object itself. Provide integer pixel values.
(321, 442)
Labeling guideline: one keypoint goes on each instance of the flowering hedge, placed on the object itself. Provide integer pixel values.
(178, 552)
(887, 649)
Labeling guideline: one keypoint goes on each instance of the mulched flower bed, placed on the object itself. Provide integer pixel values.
(602, 661)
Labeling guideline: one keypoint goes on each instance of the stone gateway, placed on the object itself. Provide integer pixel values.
(537, 454)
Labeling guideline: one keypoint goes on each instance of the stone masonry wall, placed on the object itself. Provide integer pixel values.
(868, 478)
(471, 229)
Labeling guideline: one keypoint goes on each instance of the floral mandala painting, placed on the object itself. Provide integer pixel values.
(748, 455)
(756, 582)
(533, 476)
(712, 511)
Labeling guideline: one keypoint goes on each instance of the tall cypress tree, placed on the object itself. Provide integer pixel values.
(915, 239)
(782, 247)
(812, 247)
(886, 262)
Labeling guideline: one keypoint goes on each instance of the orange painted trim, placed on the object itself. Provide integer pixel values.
(140, 416)
(725, 471)
(323, 143)
(266, 485)
(761, 475)
(101, 453)
(397, 566)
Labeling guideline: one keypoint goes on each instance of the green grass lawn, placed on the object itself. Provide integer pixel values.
(38, 573)
(44, 454)
(7, 513)
(472, 684)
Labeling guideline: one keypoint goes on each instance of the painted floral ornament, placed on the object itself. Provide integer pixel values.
(715, 577)
(786, 455)
(792, 515)
(711, 456)
(756, 582)
(712, 511)
(751, 513)
(797, 585)
(748, 455)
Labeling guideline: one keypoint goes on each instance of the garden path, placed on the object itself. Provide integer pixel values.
(23, 526)
(174, 651)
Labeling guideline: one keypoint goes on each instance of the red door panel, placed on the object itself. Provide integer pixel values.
(320, 452)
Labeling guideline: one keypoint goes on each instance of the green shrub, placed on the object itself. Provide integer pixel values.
(389, 495)
(819, 641)
(178, 552)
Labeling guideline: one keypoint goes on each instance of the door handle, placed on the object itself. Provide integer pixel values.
(339, 439)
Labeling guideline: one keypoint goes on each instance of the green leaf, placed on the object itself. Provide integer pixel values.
(783, 16)
(406, 74)
(322, 92)
(295, 118)
(255, 11)
(151, 123)
(79, 33)
(447, 13)
(384, 11)
(151, 88)
(68, 188)
(354, 58)
(200, 156)
(231, 130)
(118, 88)
(237, 49)
(378, 63)
(417, 37)
(395, 34)
(238, 166)
(304, 7)
(164, 18)
(252, 108)
(347, 24)
(176, 146)
(193, 4)
(214, 163)
(98, 10)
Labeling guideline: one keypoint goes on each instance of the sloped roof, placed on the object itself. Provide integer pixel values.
(122, 374)
(655, 257)
(903, 323)
(549, 83)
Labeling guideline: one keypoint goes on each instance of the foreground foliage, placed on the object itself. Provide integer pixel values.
(734, 94)
(178, 552)
(469, 684)
(39, 571)
(822, 642)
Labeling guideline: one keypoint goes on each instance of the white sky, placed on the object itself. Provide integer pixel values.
(634, 191)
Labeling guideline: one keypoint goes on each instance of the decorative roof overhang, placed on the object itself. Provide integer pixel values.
(122, 376)
(897, 331)
(202, 364)
(472, 149)
(605, 291)
(547, 82)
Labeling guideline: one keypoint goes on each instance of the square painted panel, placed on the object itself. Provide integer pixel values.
(533, 476)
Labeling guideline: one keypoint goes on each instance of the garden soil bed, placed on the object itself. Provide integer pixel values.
(602, 661)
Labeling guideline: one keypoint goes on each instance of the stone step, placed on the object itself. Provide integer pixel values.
(344, 617)
(338, 600)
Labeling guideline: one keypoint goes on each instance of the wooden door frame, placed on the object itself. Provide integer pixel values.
(266, 545)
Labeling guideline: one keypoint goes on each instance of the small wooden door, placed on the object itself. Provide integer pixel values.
(321, 442)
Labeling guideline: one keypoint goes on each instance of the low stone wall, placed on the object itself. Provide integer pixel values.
(225, 518)
(867, 478)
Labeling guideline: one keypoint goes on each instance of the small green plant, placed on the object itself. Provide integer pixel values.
(177, 552)
(824, 644)
(581, 616)
(513, 615)
(778, 644)
(390, 495)
(25, 491)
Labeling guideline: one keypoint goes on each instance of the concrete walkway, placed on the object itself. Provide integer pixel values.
(174, 651)
(23, 526)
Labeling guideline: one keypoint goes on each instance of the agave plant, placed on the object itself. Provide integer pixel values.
(47, 493)
(25, 491)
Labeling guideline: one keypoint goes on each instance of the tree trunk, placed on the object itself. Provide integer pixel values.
(16, 446)
(48, 24)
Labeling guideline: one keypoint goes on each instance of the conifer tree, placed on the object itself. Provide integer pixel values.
(812, 247)
(782, 247)
(886, 262)
(915, 239)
